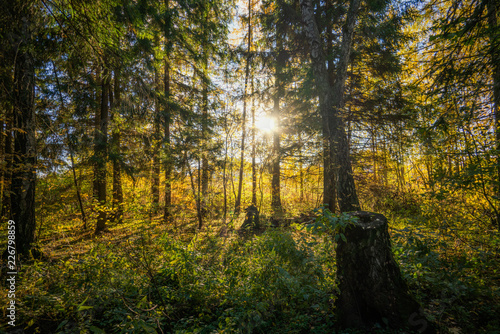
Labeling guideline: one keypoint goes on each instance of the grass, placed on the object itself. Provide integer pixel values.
(144, 277)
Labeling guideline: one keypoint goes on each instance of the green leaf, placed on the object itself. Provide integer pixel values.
(61, 325)
(96, 330)
(81, 307)
(148, 328)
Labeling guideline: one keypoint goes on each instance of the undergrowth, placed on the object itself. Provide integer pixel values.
(145, 278)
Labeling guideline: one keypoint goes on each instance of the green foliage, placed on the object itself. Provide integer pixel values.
(330, 224)
(100, 292)
(452, 280)
(279, 282)
(256, 285)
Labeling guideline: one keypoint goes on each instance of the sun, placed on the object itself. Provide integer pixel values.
(265, 124)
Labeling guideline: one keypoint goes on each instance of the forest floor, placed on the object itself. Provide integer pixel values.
(145, 277)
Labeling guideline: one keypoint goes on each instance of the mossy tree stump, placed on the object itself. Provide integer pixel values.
(372, 290)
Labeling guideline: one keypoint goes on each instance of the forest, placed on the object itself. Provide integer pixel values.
(250, 166)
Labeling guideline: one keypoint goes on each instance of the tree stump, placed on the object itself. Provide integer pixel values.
(372, 291)
(251, 222)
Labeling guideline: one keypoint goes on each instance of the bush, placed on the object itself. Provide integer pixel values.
(267, 282)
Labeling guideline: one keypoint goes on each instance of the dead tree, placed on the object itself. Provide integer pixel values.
(251, 222)
(372, 290)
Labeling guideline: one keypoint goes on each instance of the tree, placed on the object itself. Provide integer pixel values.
(276, 150)
(101, 150)
(237, 205)
(18, 87)
(116, 151)
(331, 102)
(464, 73)
(156, 143)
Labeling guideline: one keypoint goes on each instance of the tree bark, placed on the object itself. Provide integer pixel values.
(254, 164)
(329, 187)
(167, 216)
(301, 170)
(276, 207)
(224, 179)
(332, 102)
(372, 290)
(168, 154)
(196, 194)
(237, 204)
(155, 178)
(7, 171)
(204, 156)
(77, 187)
(117, 151)
(23, 175)
(101, 152)
(495, 60)
(3, 169)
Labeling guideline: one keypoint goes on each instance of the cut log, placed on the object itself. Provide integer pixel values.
(372, 290)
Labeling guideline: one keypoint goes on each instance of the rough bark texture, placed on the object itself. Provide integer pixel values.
(372, 290)
(331, 101)
(329, 186)
(20, 96)
(24, 172)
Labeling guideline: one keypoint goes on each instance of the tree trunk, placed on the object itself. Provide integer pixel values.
(329, 187)
(77, 187)
(22, 197)
(254, 165)
(155, 178)
(98, 98)
(331, 103)
(100, 153)
(301, 170)
(237, 205)
(224, 179)
(495, 60)
(116, 148)
(168, 159)
(374, 154)
(167, 216)
(196, 194)
(372, 290)
(3, 134)
(7, 171)
(276, 207)
(339, 143)
(204, 130)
